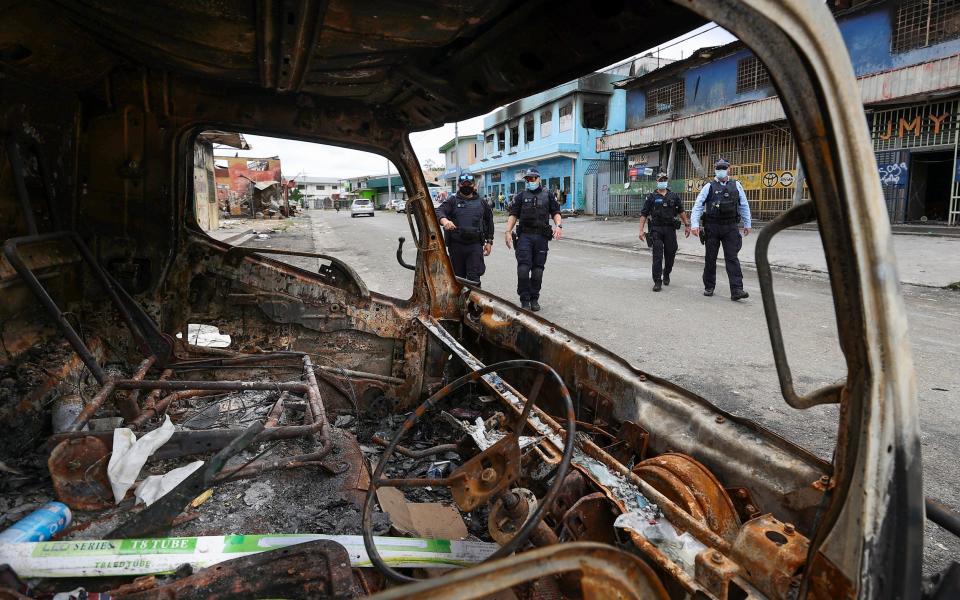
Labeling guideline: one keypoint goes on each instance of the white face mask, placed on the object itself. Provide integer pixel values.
(721, 173)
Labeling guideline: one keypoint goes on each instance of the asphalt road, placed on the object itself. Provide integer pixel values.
(712, 346)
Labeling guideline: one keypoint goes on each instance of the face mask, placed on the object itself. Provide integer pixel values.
(721, 173)
(662, 185)
(533, 185)
(466, 189)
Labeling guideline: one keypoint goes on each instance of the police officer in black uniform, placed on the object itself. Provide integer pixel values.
(468, 229)
(533, 208)
(662, 208)
(722, 204)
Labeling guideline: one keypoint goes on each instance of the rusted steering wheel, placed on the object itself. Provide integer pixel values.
(485, 475)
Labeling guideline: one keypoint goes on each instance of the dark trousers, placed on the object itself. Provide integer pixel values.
(664, 238)
(727, 235)
(531, 251)
(467, 260)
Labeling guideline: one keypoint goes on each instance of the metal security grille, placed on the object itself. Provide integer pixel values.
(915, 126)
(751, 75)
(665, 99)
(764, 162)
(894, 185)
(599, 176)
(921, 23)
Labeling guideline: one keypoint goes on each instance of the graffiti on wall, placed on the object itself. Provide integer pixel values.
(893, 174)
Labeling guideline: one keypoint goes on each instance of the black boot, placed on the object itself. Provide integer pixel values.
(738, 295)
(525, 304)
(656, 286)
(534, 305)
(666, 279)
(708, 291)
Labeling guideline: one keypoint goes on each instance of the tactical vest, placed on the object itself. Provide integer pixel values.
(534, 212)
(663, 210)
(468, 217)
(722, 205)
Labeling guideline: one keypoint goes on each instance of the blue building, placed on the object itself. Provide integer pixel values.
(720, 102)
(556, 131)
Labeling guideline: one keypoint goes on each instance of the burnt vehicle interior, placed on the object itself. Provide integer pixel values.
(576, 475)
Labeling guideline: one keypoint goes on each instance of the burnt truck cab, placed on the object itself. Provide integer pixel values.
(102, 105)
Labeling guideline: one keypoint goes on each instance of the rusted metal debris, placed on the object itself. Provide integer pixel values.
(318, 569)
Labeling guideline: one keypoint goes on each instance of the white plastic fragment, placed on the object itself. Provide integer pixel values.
(130, 454)
(680, 548)
(155, 487)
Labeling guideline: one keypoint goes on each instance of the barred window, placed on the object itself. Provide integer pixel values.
(665, 99)
(751, 75)
(566, 117)
(921, 23)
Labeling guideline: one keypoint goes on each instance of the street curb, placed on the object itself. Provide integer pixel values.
(697, 258)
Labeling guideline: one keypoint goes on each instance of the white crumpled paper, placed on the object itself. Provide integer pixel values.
(130, 454)
(155, 487)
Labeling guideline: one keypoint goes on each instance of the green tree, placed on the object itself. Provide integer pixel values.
(296, 196)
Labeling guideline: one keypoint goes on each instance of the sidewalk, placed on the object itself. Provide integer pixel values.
(922, 260)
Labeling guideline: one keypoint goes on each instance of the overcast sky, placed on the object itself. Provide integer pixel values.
(330, 161)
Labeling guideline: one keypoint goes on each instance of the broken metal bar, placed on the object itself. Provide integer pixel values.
(223, 386)
(414, 482)
(440, 449)
(128, 405)
(150, 401)
(159, 515)
(90, 409)
(943, 516)
(160, 406)
(273, 417)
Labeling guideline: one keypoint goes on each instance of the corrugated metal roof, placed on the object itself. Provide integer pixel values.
(936, 76)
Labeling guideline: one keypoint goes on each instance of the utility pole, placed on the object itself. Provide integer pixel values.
(456, 147)
(389, 183)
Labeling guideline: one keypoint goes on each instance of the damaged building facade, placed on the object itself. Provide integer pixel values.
(344, 443)
(721, 103)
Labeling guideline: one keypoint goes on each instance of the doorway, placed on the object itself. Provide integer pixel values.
(931, 183)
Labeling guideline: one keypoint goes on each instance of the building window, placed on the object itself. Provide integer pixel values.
(546, 123)
(594, 115)
(528, 129)
(566, 117)
(665, 99)
(514, 135)
(302, 187)
(501, 139)
(751, 75)
(489, 140)
(321, 187)
(921, 23)
(333, 187)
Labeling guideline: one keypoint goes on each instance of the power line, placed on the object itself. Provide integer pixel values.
(659, 48)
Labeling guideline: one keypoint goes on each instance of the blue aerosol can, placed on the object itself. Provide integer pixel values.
(40, 525)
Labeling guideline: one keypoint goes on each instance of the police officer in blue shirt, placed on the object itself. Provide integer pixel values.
(533, 208)
(662, 208)
(468, 229)
(722, 203)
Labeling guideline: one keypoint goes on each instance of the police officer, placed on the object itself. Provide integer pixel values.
(533, 208)
(468, 229)
(662, 208)
(722, 203)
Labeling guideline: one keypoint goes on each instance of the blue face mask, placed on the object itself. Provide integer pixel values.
(721, 173)
(662, 185)
(533, 185)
